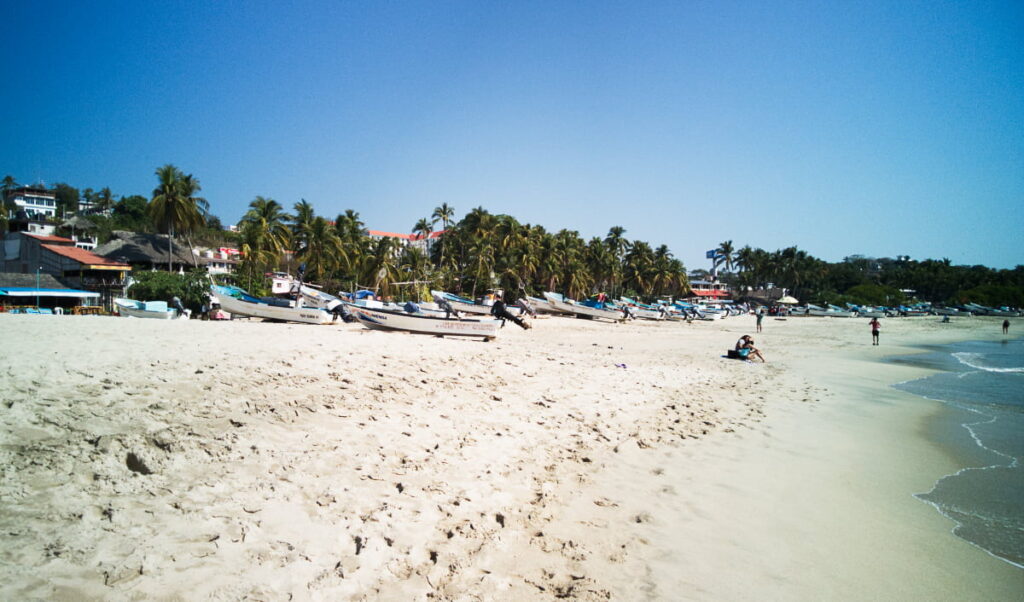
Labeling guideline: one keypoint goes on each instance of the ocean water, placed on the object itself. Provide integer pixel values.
(982, 383)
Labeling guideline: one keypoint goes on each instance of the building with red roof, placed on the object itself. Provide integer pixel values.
(28, 253)
(423, 242)
(709, 291)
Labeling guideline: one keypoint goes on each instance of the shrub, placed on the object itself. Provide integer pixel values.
(191, 288)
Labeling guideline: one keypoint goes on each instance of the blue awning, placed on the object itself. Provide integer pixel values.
(20, 291)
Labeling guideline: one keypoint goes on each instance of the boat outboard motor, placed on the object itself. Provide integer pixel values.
(526, 307)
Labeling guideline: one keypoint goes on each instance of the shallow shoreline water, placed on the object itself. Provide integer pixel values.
(980, 385)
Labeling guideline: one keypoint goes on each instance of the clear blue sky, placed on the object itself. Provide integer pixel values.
(879, 128)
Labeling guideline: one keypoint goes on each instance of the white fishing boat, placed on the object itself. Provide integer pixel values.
(546, 306)
(1004, 312)
(462, 304)
(840, 312)
(644, 312)
(237, 302)
(385, 319)
(578, 309)
(154, 310)
(872, 312)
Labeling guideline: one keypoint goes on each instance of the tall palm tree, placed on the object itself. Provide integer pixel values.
(265, 234)
(189, 190)
(352, 233)
(639, 267)
(6, 185)
(480, 229)
(617, 244)
(322, 249)
(301, 223)
(174, 206)
(105, 200)
(414, 266)
(724, 255)
(445, 213)
(381, 265)
(423, 228)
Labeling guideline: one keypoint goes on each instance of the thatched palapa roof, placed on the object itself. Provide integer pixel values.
(139, 247)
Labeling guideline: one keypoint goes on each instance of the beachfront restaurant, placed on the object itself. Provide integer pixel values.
(76, 269)
(703, 290)
(42, 293)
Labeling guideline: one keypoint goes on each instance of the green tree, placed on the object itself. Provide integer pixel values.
(191, 288)
(423, 228)
(105, 200)
(67, 198)
(175, 206)
(6, 185)
(300, 224)
(444, 213)
(265, 235)
(322, 250)
(724, 255)
(354, 242)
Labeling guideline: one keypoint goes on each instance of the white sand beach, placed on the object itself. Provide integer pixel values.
(246, 460)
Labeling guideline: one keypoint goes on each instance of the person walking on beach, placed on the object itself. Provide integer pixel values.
(498, 310)
(1006, 327)
(875, 327)
(760, 316)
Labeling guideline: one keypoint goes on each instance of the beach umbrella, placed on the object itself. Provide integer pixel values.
(788, 300)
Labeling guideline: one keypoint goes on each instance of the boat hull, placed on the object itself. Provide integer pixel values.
(380, 319)
(583, 310)
(303, 315)
(463, 306)
(126, 308)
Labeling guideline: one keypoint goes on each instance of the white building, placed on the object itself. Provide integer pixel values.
(37, 203)
(422, 242)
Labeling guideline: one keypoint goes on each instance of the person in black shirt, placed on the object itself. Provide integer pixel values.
(498, 310)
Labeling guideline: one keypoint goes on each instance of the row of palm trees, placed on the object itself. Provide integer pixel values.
(789, 268)
(480, 252)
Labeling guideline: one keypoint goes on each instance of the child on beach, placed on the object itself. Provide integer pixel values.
(875, 327)
(1006, 327)
(760, 317)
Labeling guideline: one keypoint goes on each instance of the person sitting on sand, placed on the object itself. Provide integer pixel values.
(745, 348)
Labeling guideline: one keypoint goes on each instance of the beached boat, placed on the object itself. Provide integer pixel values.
(240, 303)
(1004, 312)
(642, 310)
(840, 312)
(872, 312)
(386, 319)
(463, 304)
(544, 306)
(154, 310)
(578, 309)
